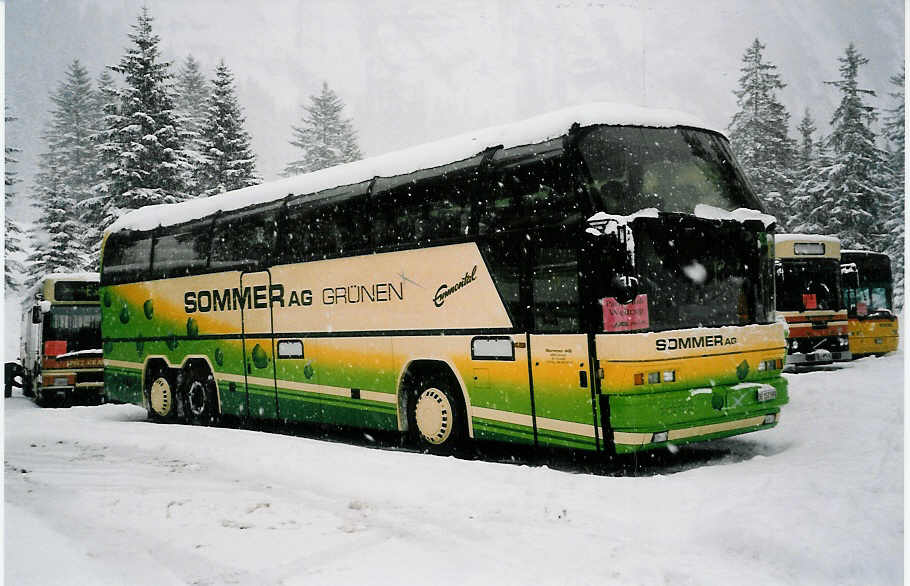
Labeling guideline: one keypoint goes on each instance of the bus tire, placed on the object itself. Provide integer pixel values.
(161, 393)
(200, 398)
(435, 415)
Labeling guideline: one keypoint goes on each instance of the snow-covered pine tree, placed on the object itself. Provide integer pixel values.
(228, 161)
(894, 213)
(143, 151)
(855, 192)
(66, 171)
(192, 95)
(58, 247)
(758, 133)
(192, 105)
(325, 138)
(93, 210)
(74, 120)
(12, 268)
(810, 157)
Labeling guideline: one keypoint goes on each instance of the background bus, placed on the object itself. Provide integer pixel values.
(555, 282)
(60, 347)
(807, 270)
(868, 295)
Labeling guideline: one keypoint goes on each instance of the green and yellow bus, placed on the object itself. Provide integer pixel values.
(597, 278)
(60, 340)
(809, 298)
(869, 295)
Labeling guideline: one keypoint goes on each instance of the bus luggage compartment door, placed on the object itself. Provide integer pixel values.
(563, 402)
(258, 345)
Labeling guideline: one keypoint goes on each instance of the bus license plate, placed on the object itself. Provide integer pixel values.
(768, 394)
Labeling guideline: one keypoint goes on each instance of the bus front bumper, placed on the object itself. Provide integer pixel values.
(653, 420)
(93, 392)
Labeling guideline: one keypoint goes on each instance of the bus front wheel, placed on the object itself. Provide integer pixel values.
(435, 417)
(160, 392)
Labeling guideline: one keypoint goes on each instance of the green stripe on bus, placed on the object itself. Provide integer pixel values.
(498, 430)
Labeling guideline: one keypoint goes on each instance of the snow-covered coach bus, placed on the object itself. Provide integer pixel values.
(807, 269)
(60, 344)
(595, 278)
(868, 295)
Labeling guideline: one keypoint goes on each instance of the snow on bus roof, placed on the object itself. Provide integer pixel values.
(426, 156)
(778, 238)
(73, 276)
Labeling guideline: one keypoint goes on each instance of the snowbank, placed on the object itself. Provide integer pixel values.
(818, 500)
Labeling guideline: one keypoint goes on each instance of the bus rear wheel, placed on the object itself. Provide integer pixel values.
(200, 398)
(435, 417)
(160, 393)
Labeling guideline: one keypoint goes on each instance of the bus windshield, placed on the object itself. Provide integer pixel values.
(671, 169)
(671, 274)
(867, 284)
(808, 285)
(78, 325)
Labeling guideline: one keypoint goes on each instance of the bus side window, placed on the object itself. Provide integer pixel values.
(298, 236)
(449, 210)
(352, 231)
(243, 242)
(175, 255)
(125, 256)
(498, 210)
(505, 255)
(555, 274)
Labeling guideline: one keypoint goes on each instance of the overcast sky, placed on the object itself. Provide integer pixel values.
(415, 71)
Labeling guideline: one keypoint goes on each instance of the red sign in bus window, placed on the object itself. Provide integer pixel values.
(624, 317)
(54, 347)
(809, 301)
(862, 308)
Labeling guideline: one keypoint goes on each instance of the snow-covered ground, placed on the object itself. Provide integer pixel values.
(97, 495)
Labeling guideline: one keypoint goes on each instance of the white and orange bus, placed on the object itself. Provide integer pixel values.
(808, 286)
(60, 343)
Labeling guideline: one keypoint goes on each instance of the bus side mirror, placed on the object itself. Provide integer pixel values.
(37, 314)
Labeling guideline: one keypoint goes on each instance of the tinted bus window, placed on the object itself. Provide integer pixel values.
(181, 254)
(76, 291)
(243, 241)
(532, 185)
(124, 255)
